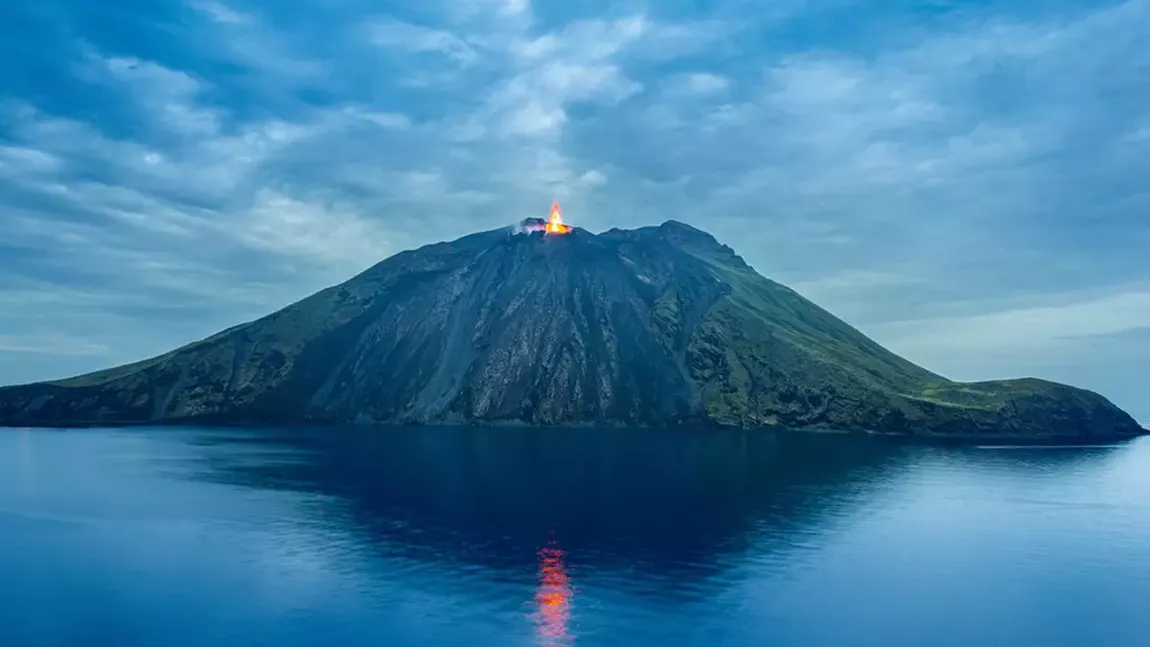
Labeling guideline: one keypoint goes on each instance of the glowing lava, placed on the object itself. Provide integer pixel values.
(555, 221)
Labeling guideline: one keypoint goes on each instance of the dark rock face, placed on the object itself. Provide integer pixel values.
(657, 326)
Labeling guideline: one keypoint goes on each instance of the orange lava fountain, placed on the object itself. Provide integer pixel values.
(555, 221)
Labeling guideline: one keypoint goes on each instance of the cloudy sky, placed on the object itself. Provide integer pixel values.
(967, 182)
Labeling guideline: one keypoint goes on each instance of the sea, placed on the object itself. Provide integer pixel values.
(469, 537)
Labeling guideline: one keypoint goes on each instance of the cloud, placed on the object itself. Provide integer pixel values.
(859, 281)
(1035, 328)
(325, 236)
(573, 65)
(515, 7)
(499, 12)
(220, 12)
(389, 120)
(392, 33)
(706, 83)
(22, 161)
(51, 344)
(266, 60)
(167, 96)
(929, 178)
(593, 178)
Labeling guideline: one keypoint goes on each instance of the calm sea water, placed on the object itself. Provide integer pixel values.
(429, 537)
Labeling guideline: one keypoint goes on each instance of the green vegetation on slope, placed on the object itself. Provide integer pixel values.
(764, 355)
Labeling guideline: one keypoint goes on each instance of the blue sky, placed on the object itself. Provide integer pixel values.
(967, 182)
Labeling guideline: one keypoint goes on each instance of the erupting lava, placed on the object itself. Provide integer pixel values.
(555, 221)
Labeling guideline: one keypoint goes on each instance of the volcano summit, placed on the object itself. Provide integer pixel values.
(656, 326)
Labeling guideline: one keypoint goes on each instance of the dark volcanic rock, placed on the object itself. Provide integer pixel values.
(654, 326)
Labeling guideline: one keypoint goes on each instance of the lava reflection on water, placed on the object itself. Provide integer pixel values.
(553, 599)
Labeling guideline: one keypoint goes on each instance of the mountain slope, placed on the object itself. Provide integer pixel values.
(654, 326)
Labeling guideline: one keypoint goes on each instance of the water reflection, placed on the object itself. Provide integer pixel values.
(671, 517)
(27, 471)
(671, 508)
(553, 599)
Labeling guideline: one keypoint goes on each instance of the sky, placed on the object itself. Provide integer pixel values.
(966, 182)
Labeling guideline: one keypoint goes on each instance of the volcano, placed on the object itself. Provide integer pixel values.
(657, 326)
